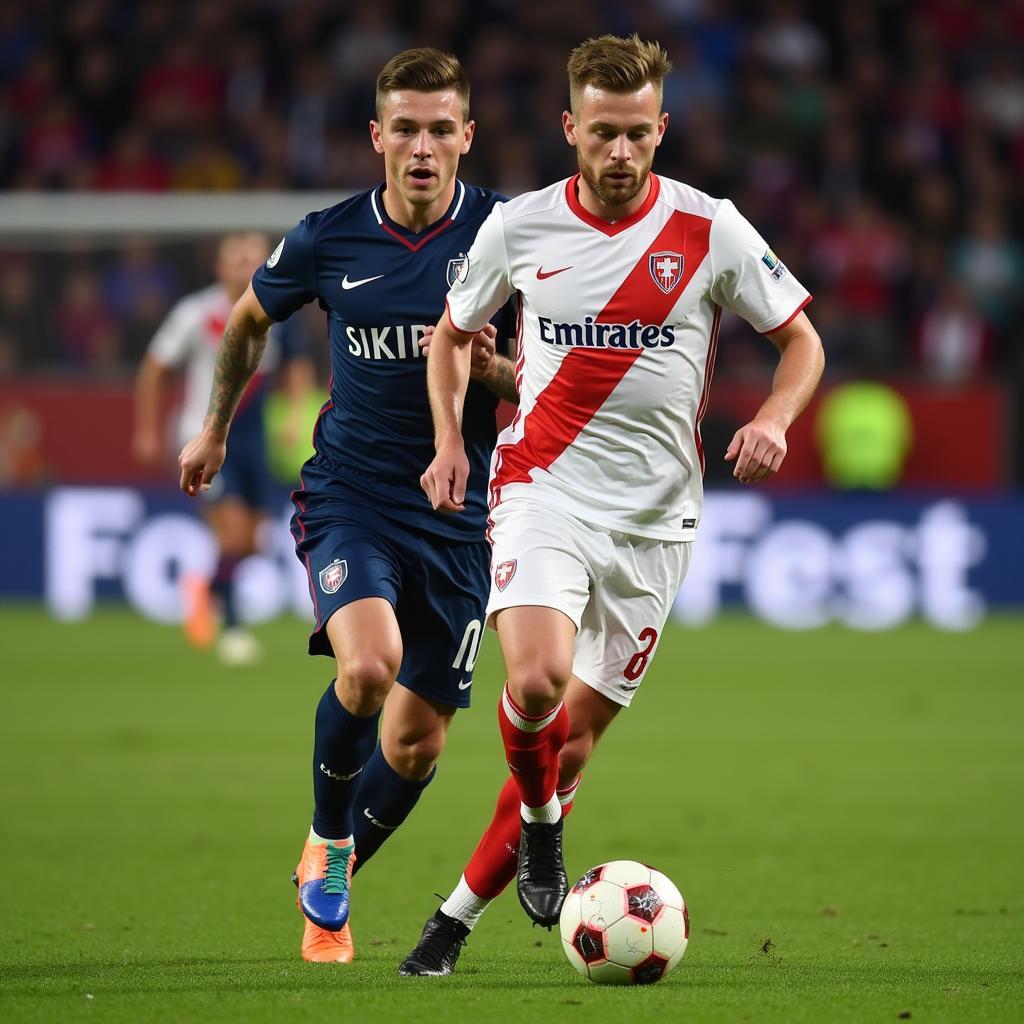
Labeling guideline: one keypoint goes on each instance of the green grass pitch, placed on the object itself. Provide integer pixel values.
(841, 810)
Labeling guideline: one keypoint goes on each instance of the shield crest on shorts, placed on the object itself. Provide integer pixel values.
(504, 573)
(334, 576)
(666, 269)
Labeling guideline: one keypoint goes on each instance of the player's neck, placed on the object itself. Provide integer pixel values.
(414, 217)
(608, 211)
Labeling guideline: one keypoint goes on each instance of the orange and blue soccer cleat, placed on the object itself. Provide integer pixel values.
(323, 947)
(200, 623)
(320, 946)
(324, 876)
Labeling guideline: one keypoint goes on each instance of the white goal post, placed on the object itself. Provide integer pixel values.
(34, 219)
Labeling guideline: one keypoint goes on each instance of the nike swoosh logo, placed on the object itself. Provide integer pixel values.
(463, 685)
(543, 275)
(349, 285)
(379, 824)
(334, 775)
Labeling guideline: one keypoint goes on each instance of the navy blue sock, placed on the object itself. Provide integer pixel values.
(342, 744)
(382, 803)
(222, 586)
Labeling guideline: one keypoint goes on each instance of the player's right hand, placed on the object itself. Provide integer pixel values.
(200, 461)
(444, 481)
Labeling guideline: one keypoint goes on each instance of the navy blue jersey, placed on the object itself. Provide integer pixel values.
(382, 286)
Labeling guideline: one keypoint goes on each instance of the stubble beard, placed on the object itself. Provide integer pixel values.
(619, 197)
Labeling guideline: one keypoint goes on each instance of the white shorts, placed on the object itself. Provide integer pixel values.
(617, 589)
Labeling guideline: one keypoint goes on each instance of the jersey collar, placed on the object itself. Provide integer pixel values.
(608, 228)
(416, 240)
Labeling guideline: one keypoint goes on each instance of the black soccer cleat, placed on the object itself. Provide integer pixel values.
(542, 882)
(438, 950)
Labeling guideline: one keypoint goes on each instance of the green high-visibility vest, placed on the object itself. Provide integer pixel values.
(864, 433)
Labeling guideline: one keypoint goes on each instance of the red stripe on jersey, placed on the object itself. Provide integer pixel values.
(215, 324)
(638, 297)
(520, 363)
(586, 377)
(709, 371)
(520, 353)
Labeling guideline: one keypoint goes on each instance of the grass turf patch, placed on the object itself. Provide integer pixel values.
(839, 809)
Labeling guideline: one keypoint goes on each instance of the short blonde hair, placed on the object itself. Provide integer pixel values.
(617, 64)
(423, 69)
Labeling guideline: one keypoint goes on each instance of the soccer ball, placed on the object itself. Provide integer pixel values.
(624, 923)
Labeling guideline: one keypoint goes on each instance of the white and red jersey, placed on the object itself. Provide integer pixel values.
(190, 336)
(617, 336)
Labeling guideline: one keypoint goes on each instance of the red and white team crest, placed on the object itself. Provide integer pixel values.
(504, 573)
(666, 269)
(334, 576)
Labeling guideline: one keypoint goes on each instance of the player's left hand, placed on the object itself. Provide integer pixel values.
(757, 449)
(444, 481)
(484, 345)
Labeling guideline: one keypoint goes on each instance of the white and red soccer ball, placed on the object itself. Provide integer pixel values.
(624, 923)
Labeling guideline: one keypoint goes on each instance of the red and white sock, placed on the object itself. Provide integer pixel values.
(532, 743)
(567, 795)
(493, 864)
(464, 904)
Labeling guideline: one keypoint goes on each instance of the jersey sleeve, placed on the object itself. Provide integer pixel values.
(749, 278)
(287, 281)
(175, 337)
(483, 283)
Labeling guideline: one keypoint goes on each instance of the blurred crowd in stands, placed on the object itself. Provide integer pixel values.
(877, 144)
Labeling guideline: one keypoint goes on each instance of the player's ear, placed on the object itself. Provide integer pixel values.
(662, 125)
(569, 127)
(375, 136)
(467, 138)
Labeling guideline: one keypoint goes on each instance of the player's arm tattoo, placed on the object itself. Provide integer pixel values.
(501, 379)
(237, 359)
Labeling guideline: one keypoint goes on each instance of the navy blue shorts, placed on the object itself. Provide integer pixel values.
(438, 587)
(244, 476)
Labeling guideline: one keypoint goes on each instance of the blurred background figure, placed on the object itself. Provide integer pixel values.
(864, 432)
(954, 339)
(237, 501)
(22, 463)
(879, 144)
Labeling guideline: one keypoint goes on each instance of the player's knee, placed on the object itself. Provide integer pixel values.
(414, 757)
(364, 681)
(538, 687)
(235, 529)
(238, 547)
